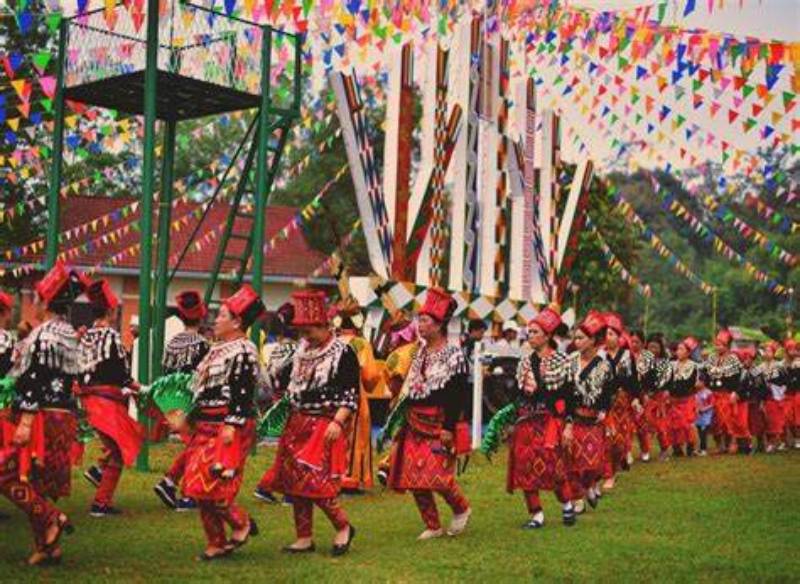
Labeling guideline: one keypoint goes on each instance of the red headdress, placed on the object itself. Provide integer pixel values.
(439, 305)
(593, 323)
(747, 353)
(100, 294)
(309, 308)
(245, 304)
(790, 345)
(724, 336)
(774, 346)
(548, 320)
(59, 280)
(190, 305)
(614, 321)
(690, 343)
(6, 301)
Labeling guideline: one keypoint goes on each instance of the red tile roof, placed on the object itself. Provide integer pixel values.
(291, 257)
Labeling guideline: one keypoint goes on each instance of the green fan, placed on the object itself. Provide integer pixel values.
(8, 390)
(85, 432)
(394, 423)
(173, 393)
(496, 427)
(274, 420)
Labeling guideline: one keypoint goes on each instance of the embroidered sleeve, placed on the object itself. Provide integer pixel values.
(241, 385)
(346, 381)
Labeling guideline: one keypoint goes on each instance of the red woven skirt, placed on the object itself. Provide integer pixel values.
(107, 412)
(585, 465)
(622, 414)
(792, 409)
(304, 466)
(656, 412)
(756, 420)
(535, 458)
(740, 427)
(214, 470)
(723, 413)
(419, 460)
(775, 412)
(46, 461)
(682, 413)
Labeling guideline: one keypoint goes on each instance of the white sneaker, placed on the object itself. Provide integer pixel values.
(702, 453)
(459, 523)
(646, 457)
(782, 447)
(430, 534)
(797, 443)
(629, 458)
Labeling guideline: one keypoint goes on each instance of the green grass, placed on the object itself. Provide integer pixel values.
(717, 519)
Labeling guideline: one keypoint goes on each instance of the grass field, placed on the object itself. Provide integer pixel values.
(717, 519)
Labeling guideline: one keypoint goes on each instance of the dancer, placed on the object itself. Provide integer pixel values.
(223, 426)
(792, 365)
(645, 367)
(277, 358)
(183, 354)
(656, 386)
(312, 451)
(754, 392)
(592, 387)
(359, 457)
(536, 460)
(6, 340)
(682, 404)
(423, 455)
(105, 388)
(776, 377)
(619, 422)
(38, 466)
(402, 345)
(723, 373)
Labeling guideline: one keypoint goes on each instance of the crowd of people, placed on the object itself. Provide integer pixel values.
(582, 399)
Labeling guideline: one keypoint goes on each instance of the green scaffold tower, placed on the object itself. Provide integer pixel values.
(181, 61)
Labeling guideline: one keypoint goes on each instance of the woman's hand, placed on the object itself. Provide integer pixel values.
(333, 432)
(22, 435)
(446, 437)
(228, 433)
(601, 416)
(566, 435)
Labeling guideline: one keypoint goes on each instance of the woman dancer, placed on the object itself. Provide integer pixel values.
(423, 455)
(536, 460)
(682, 404)
(36, 469)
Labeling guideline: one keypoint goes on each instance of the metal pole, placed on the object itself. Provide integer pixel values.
(53, 211)
(646, 314)
(261, 171)
(477, 395)
(713, 312)
(146, 210)
(162, 250)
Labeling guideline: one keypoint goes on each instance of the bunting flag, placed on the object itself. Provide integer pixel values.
(775, 217)
(617, 266)
(670, 203)
(655, 241)
(725, 215)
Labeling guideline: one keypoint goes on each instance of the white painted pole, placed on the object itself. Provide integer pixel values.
(477, 396)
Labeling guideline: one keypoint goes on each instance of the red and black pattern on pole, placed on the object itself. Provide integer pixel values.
(439, 203)
(578, 223)
(503, 223)
(556, 194)
(425, 216)
(403, 183)
(533, 229)
(369, 166)
(472, 219)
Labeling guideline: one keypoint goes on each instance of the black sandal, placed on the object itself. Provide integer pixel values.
(287, 549)
(340, 550)
(252, 531)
